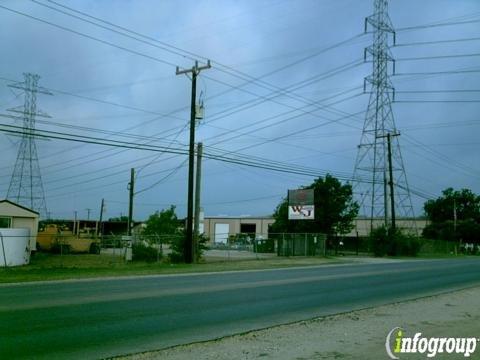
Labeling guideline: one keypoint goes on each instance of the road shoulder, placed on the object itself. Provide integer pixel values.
(355, 335)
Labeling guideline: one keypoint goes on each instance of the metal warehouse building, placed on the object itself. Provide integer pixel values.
(219, 228)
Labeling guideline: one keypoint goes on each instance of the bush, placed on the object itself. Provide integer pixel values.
(142, 252)
(94, 248)
(177, 245)
(393, 243)
(379, 241)
(406, 245)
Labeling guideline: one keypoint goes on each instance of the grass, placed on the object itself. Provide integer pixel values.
(44, 266)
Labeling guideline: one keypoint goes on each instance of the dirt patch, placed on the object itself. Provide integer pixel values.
(356, 335)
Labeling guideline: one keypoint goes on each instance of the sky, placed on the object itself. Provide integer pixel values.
(103, 81)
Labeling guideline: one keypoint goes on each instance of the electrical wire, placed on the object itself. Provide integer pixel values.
(419, 27)
(434, 42)
(438, 72)
(173, 172)
(454, 56)
(436, 25)
(63, 28)
(240, 161)
(188, 54)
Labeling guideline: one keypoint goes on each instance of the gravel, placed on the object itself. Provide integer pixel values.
(355, 335)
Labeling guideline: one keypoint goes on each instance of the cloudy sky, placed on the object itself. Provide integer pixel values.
(107, 82)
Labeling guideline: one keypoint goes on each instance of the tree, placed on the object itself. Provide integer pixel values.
(165, 227)
(335, 209)
(163, 222)
(465, 205)
(393, 242)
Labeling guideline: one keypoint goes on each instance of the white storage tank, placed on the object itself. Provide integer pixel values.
(14, 247)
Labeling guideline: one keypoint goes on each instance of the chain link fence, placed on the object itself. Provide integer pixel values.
(306, 244)
(250, 245)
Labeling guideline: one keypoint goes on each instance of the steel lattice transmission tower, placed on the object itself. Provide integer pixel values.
(26, 186)
(371, 174)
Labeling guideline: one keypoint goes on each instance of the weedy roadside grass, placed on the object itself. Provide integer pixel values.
(45, 266)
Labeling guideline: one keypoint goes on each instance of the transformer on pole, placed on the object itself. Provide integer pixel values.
(26, 187)
(371, 174)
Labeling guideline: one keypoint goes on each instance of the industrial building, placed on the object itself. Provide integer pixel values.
(363, 225)
(219, 228)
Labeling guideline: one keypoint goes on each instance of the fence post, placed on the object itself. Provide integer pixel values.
(305, 244)
(293, 244)
(325, 245)
(358, 243)
(161, 245)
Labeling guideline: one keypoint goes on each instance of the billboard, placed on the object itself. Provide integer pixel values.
(301, 204)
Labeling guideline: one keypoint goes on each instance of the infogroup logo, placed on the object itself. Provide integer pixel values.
(397, 343)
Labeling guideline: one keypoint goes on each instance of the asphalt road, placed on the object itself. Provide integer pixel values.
(100, 318)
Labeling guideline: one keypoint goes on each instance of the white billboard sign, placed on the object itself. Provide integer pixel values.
(301, 212)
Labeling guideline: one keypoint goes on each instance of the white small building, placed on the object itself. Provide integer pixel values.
(16, 216)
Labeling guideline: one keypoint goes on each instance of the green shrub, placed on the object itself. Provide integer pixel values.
(94, 248)
(177, 245)
(142, 252)
(405, 245)
(379, 241)
(393, 243)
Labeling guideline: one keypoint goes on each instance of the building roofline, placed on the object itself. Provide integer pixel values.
(20, 206)
(240, 217)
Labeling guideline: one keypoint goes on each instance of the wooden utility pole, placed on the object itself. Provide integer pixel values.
(195, 70)
(75, 222)
(198, 186)
(102, 206)
(131, 188)
(390, 180)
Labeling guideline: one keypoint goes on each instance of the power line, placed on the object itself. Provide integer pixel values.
(229, 131)
(89, 36)
(438, 57)
(296, 86)
(438, 72)
(434, 42)
(434, 101)
(101, 101)
(289, 168)
(418, 27)
(90, 140)
(446, 161)
(177, 49)
(160, 60)
(329, 48)
(174, 171)
(95, 130)
(88, 161)
(437, 91)
(192, 56)
(93, 140)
